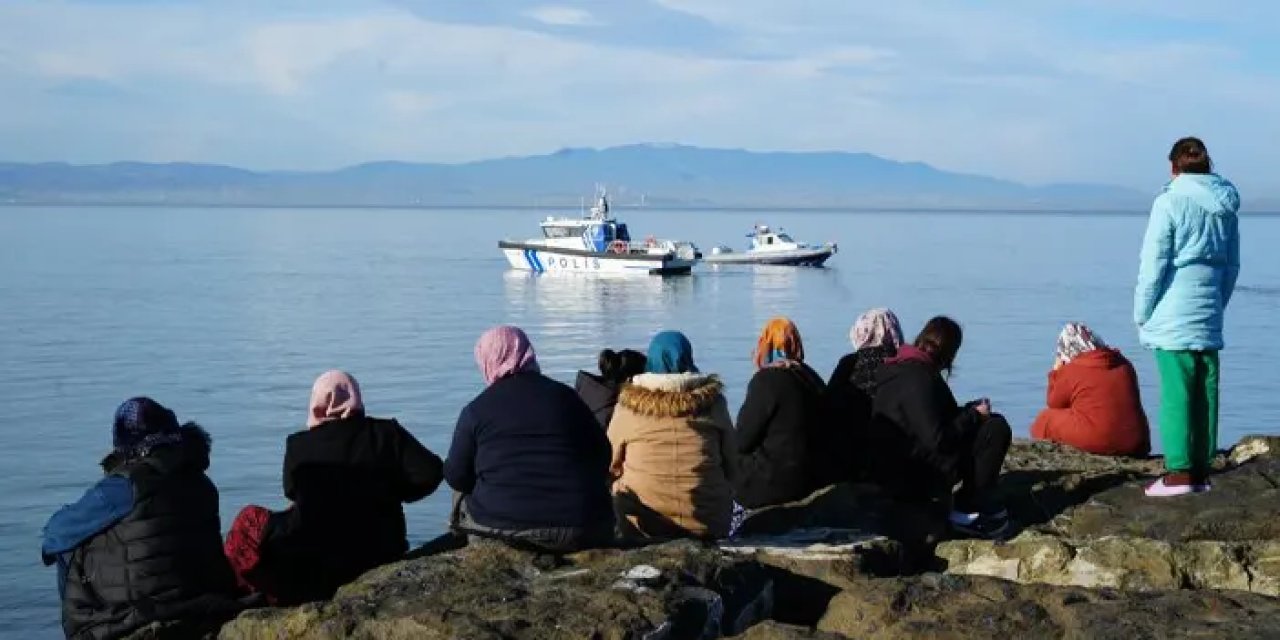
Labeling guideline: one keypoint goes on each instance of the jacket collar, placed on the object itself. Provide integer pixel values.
(671, 394)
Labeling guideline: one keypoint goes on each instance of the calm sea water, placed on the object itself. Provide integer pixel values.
(227, 315)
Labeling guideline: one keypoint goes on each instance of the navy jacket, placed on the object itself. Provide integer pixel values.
(529, 454)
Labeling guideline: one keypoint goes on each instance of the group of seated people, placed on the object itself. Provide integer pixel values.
(647, 449)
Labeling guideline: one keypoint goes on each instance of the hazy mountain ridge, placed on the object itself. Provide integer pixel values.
(658, 175)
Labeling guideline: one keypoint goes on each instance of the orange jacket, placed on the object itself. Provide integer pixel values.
(1095, 406)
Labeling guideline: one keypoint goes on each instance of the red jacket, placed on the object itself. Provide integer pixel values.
(1095, 406)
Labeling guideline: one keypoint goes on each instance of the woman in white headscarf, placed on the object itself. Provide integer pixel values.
(1093, 400)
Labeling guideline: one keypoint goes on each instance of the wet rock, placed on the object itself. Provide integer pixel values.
(950, 606)
(809, 566)
(489, 591)
(770, 630)
(1228, 538)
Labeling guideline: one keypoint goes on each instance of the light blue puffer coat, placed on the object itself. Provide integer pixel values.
(1190, 260)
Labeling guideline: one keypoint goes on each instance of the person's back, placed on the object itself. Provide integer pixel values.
(672, 440)
(540, 459)
(779, 425)
(1094, 403)
(162, 559)
(600, 392)
(843, 447)
(348, 479)
(1194, 250)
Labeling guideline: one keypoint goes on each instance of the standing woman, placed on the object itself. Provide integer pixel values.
(1188, 269)
(782, 413)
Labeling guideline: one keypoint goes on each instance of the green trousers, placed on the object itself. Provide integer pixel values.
(1188, 409)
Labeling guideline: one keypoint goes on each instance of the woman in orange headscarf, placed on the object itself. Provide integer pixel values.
(778, 420)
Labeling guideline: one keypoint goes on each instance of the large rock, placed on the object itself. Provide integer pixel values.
(961, 607)
(1226, 539)
(487, 591)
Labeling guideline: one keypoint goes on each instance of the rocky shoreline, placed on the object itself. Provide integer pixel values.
(1093, 558)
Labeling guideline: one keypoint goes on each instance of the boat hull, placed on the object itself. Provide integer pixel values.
(797, 258)
(541, 259)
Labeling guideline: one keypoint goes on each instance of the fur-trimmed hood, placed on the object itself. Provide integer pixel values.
(671, 395)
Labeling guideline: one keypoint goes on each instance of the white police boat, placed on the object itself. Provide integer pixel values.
(598, 243)
(774, 248)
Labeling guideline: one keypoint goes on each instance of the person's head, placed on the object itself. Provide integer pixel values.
(670, 352)
(1076, 339)
(778, 341)
(334, 395)
(1189, 155)
(141, 425)
(940, 338)
(505, 351)
(876, 328)
(620, 366)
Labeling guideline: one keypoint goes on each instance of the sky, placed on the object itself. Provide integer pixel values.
(1063, 91)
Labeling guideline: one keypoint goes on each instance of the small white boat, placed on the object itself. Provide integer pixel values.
(598, 243)
(773, 247)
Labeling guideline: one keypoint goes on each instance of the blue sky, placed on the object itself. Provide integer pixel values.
(1072, 90)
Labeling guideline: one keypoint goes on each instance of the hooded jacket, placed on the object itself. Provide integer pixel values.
(1189, 264)
(1095, 406)
(163, 560)
(918, 429)
(673, 455)
(600, 395)
(778, 436)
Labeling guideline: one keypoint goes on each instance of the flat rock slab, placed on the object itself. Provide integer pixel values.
(961, 607)
(1228, 538)
(487, 591)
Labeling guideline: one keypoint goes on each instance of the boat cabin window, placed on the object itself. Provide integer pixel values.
(562, 232)
(768, 239)
(782, 237)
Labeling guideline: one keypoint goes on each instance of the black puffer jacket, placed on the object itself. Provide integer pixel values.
(347, 479)
(163, 561)
(918, 430)
(600, 395)
(780, 416)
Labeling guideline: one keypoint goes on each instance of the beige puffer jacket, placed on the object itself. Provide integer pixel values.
(673, 456)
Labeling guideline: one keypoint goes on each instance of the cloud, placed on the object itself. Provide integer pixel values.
(561, 16)
(1076, 91)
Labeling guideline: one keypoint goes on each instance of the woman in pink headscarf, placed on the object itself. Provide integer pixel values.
(348, 475)
(876, 337)
(528, 455)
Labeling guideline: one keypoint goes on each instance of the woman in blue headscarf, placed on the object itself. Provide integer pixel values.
(673, 448)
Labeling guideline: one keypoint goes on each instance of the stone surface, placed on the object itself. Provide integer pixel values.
(770, 630)
(1228, 538)
(488, 591)
(962, 607)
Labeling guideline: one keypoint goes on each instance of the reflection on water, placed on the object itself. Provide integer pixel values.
(581, 313)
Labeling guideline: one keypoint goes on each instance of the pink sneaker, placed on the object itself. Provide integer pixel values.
(1159, 489)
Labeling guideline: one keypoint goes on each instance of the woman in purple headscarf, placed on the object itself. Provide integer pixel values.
(528, 456)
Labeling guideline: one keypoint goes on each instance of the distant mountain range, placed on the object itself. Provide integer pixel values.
(653, 175)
